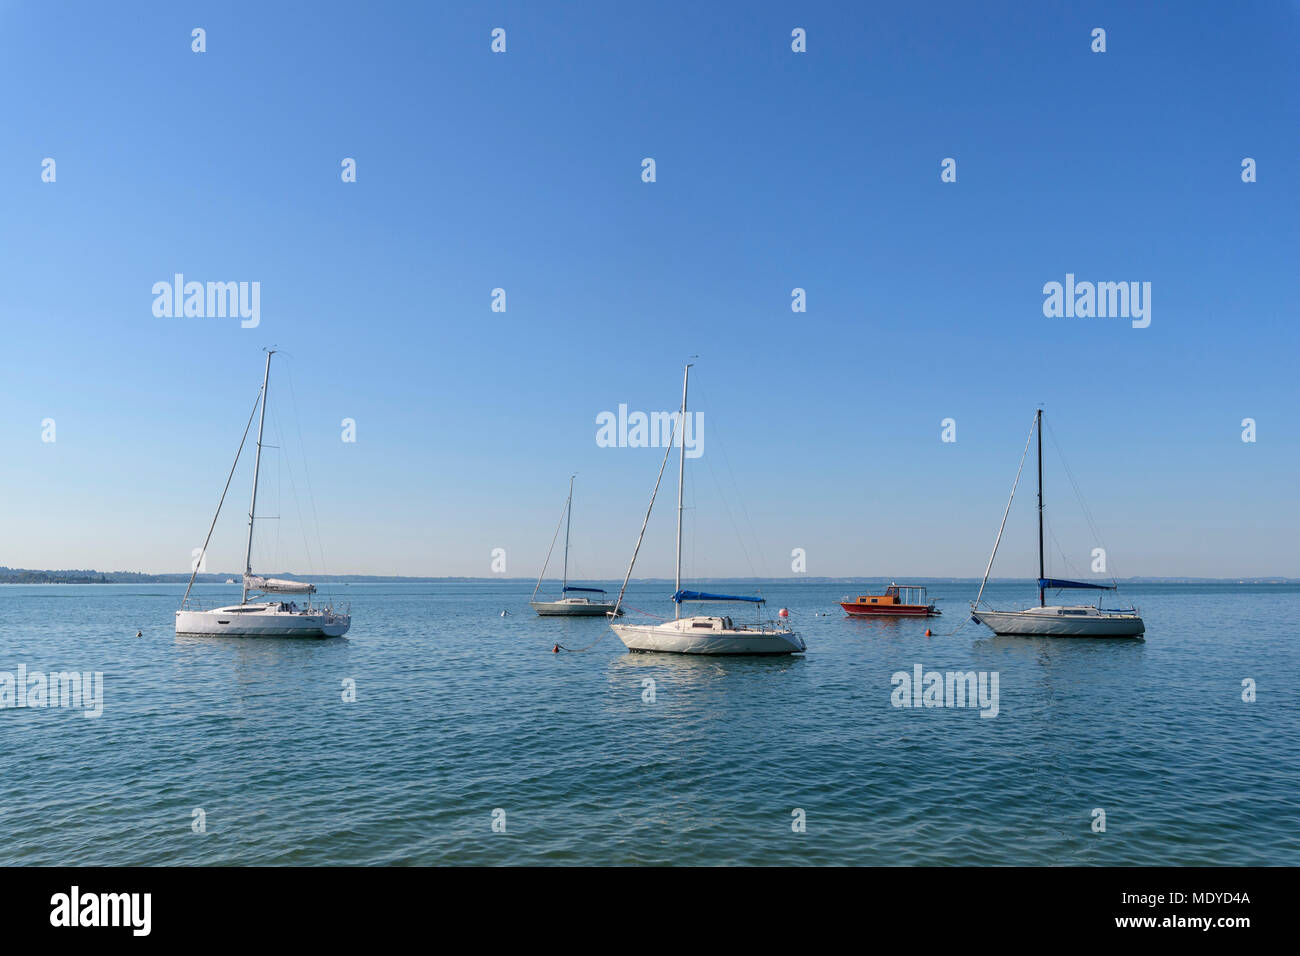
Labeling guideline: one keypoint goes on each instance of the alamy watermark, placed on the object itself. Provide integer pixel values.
(128, 910)
(1102, 300)
(213, 300)
(72, 689)
(653, 430)
(923, 688)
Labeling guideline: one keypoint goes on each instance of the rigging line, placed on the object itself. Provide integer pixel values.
(1003, 526)
(204, 550)
(735, 487)
(554, 538)
(1065, 560)
(574, 571)
(740, 539)
(287, 463)
(306, 473)
(744, 509)
(631, 564)
(965, 622)
(582, 650)
(279, 483)
(1069, 565)
(297, 502)
(1078, 494)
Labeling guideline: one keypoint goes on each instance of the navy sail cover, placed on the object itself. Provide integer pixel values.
(1046, 583)
(681, 596)
(587, 590)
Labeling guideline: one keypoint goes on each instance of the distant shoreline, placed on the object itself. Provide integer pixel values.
(31, 576)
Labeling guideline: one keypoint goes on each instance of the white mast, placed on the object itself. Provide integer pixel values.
(568, 520)
(257, 467)
(681, 480)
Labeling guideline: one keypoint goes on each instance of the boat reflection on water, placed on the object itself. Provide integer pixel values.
(1050, 649)
(691, 678)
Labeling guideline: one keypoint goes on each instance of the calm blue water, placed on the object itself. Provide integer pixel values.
(461, 711)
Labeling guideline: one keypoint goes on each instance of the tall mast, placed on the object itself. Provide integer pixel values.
(1039, 423)
(568, 520)
(257, 467)
(681, 480)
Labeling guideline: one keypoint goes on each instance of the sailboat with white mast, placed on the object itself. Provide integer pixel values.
(573, 601)
(268, 618)
(697, 634)
(1078, 620)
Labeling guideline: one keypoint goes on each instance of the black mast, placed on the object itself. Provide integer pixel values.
(1039, 422)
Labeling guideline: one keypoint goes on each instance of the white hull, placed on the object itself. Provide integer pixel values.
(1079, 621)
(707, 635)
(574, 607)
(262, 620)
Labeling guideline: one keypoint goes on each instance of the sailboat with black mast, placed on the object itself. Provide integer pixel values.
(573, 601)
(1052, 620)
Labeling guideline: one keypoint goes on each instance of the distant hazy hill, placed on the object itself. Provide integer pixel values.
(28, 576)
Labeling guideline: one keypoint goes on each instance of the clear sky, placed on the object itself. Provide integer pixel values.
(522, 170)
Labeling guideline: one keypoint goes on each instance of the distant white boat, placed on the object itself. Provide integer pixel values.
(573, 601)
(1075, 620)
(259, 618)
(699, 634)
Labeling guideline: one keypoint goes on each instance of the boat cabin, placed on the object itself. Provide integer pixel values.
(712, 624)
(896, 594)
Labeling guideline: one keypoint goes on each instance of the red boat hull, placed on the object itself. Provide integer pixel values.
(887, 610)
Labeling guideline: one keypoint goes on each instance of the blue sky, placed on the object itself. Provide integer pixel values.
(775, 170)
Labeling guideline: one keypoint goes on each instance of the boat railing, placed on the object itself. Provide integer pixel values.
(328, 607)
(768, 625)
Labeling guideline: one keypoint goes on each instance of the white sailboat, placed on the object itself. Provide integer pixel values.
(698, 634)
(268, 618)
(573, 601)
(1076, 620)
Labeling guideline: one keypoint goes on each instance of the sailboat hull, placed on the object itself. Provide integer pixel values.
(574, 608)
(694, 635)
(1085, 621)
(261, 621)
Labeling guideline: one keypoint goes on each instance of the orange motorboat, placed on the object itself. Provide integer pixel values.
(899, 600)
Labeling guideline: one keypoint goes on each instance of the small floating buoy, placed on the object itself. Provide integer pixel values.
(503, 613)
(139, 633)
(555, 649)
(783, 612)
(927, 632)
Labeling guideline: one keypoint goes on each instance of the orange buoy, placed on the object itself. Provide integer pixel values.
(555, 649)
(783, 612)
(927, 632)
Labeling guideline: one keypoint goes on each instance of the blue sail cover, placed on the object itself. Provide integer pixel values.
(681, 596)
(587, 590)
(1047, 583)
